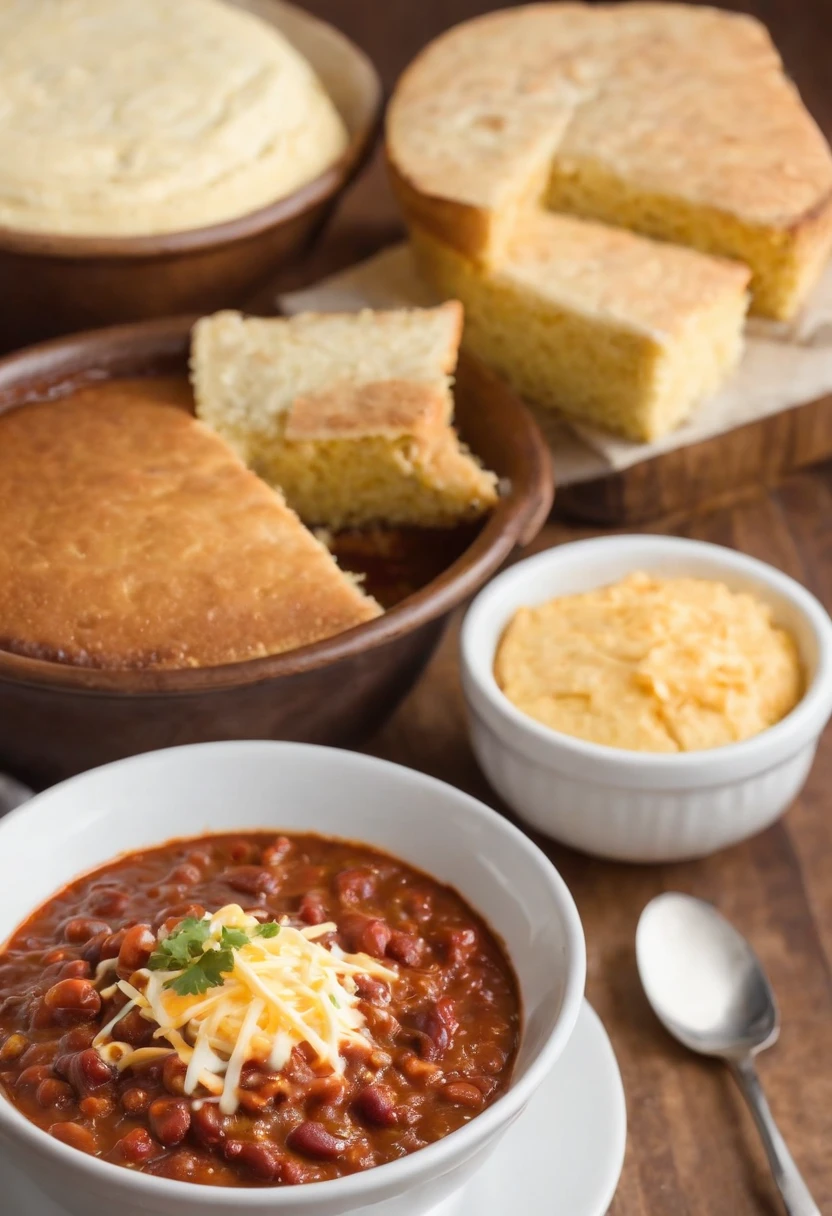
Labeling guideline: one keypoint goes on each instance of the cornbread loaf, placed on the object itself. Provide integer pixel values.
(348, 413)
(610, 327)
(133, 537)
(151, 117)
(675, 120)
(652, 664)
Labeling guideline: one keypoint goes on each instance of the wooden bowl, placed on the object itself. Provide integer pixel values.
(64, 283)
(57, 720)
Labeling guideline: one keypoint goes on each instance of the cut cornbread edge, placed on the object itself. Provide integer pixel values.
(349, 450)
(595, 368)
(471, 214)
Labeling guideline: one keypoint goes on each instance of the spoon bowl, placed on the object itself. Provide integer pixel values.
(703, 980)
(708, 989)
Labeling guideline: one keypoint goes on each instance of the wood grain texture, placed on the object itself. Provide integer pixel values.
(692, 1150)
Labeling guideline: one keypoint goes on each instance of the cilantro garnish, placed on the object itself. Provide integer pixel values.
(270, 929)
(180, 947)
(334, 1001)
(233, 939)
(206, 972)
(199, 969)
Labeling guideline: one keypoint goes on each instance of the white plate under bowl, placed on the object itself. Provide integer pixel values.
(562, 1157)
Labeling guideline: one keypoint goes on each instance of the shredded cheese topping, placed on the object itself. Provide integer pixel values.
(281, 991)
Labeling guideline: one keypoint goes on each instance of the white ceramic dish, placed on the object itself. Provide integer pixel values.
(186, 791)
(634, 806)
(563, 1155)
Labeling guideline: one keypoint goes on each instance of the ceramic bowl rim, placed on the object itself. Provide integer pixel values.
(407, 1170)
(691, 769)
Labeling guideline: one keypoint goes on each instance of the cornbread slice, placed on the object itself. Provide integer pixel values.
(348, 413)
(607, 326)
(677, 121)
(133, 537)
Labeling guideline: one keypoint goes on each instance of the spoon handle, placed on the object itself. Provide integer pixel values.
(795, 1193)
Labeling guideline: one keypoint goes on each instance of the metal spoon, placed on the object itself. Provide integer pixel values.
(707, 987)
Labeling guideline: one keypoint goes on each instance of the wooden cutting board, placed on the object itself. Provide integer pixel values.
(706, 474)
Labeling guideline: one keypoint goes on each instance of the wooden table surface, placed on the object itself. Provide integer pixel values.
(692, 1150)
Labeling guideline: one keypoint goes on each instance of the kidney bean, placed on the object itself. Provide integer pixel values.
(462, 1093)
(59, 955)
(312, 910)
(109, 901)
(173, 1075)
(181, 1165)
(251, 880)
(39, 1014)
(185, 875)
(364, 934)
(273, 854)
(208, 1125)
(32, 1077)
(353, 886)
(72, 1001)
(314, 1140)
(85, 1070)
(136, 948)
(75, 969)
(419, 903)
(241, 850)
(372, 990)
(53, 1092)
(135, 1147)
(380, 1021)
(167, 920)
(77, 1039)
(135, 1030)
(405, 948)
(92, 949)
(261, 1160)
(96, 1107)
(38, 1053)
(111, 944)
(419, 1071)
(376, 1104)
(326, 1091)
(13, 1048)
(134, 1101)
(458, 945)
(169, 1119)
(80, 929)
(76, 1136)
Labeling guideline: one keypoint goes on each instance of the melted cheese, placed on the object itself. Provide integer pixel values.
(281, 991)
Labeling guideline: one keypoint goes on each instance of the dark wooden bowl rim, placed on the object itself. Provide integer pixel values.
(519, 515)
(164, 244)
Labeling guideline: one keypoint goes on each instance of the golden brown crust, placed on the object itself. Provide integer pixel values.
(672, 119)
(352, 411)
(668, 95)
(133, 537)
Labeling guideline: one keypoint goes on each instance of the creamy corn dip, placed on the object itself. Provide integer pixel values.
(651, 664)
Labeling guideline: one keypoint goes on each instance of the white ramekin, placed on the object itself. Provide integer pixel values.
(227, 787)
(636, 806)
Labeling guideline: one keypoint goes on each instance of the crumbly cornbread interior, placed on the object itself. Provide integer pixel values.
(651, 664)
(611, 328)
(349, 414)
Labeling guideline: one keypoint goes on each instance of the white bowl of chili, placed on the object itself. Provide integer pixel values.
(136, 805)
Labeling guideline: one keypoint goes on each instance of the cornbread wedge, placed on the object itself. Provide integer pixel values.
(348, 413)
(677, 121)
(608, 326)
(135, 538)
